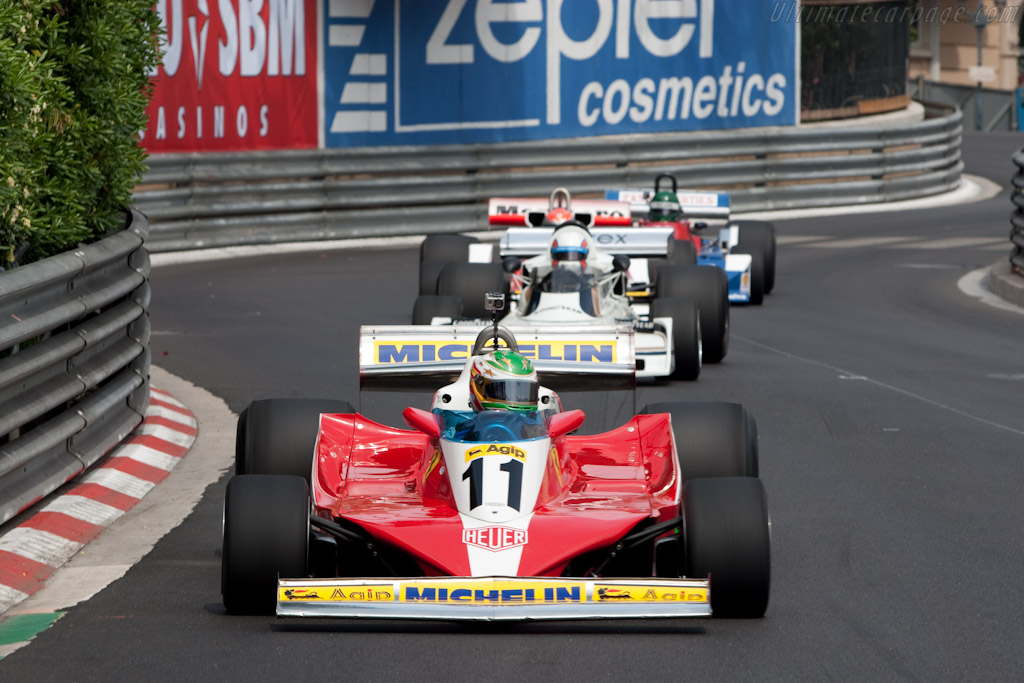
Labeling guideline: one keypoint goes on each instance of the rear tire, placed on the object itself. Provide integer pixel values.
(447, 247)
(266, 535)
(760, 235)
(469, 282)
(277, 435)
(436, 251)
(709, 287)
(727, 536)
(712, 439)
(428, 307)
(686, 343)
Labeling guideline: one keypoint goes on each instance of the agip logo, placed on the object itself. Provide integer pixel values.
(496, 449)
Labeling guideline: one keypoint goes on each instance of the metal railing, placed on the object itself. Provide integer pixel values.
(74, 362)
(986, 109)
(210, 200)
(1017, 218)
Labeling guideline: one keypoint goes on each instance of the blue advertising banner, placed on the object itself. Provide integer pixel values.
(409, 72)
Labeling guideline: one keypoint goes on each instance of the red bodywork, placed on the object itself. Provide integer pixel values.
(681, 230)
(390, 482)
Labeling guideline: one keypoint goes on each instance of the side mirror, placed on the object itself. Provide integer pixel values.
(422, 421)
(620, 263)
(511, 264)
(700, 225)
(563, 423)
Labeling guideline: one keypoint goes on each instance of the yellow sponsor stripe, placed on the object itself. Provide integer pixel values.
(610, 592)
(495, 449)
(398, 352)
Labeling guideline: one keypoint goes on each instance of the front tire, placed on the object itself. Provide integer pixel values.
(277, 435)
(727, 537)
(428, 307)
(266, 535)
(686, 341)
(757, 273)
(684, 253)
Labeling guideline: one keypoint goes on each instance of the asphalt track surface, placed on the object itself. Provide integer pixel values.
(892, 449)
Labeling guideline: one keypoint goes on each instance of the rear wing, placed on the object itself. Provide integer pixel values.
(632, 242)
(411, 356)
(695, 204)
(531, 211)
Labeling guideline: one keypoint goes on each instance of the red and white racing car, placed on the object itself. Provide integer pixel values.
(494, 514)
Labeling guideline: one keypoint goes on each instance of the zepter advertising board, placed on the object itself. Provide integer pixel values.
(402, 72)
(236, 75)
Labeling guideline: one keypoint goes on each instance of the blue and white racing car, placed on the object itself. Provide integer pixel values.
(744, 249)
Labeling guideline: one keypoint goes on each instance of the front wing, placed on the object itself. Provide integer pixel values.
(494, 598)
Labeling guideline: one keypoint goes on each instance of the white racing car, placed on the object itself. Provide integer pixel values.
(569, 270)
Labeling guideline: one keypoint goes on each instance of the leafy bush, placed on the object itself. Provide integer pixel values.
(74, 84)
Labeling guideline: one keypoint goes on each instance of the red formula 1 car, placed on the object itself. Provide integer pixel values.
(489, 514)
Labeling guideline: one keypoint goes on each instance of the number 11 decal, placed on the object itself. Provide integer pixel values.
(475, 474)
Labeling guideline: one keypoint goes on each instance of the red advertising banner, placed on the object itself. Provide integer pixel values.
(236, 75)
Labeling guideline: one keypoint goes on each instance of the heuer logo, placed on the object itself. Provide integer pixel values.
(494, 538)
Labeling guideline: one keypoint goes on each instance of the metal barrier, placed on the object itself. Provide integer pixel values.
(1017, 218)
(986, 109)
(210, 200)
(74, 362)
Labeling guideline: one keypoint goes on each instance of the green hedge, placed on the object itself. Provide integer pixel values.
(74, 84)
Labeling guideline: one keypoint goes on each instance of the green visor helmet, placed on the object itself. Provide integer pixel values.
(665, 207)
(503, 380)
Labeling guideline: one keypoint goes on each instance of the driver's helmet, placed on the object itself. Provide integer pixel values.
(570, 243)
(665, 207)
(559, 215)
(503, 380)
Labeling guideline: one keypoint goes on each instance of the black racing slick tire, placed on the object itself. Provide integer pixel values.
(429, 272)
(684, 253)
(727, 536)
(686, 344)
(428, 307)
(277, 435)
(712, 439)
(708, 286)
(469, 282)
(450, 248)
(266, 535)
(760, 235)
(757, 274)
(438, 250)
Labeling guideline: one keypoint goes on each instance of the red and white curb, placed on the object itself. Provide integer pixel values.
(32, 551)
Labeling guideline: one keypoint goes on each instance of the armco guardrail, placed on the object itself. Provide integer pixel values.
(208, 200)
(1017, 218)
(74, 362)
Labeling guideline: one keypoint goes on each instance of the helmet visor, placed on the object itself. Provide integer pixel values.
(510, 393)
(665, 208)
(569, 254)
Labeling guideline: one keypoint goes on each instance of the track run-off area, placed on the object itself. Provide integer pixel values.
(892, 450)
